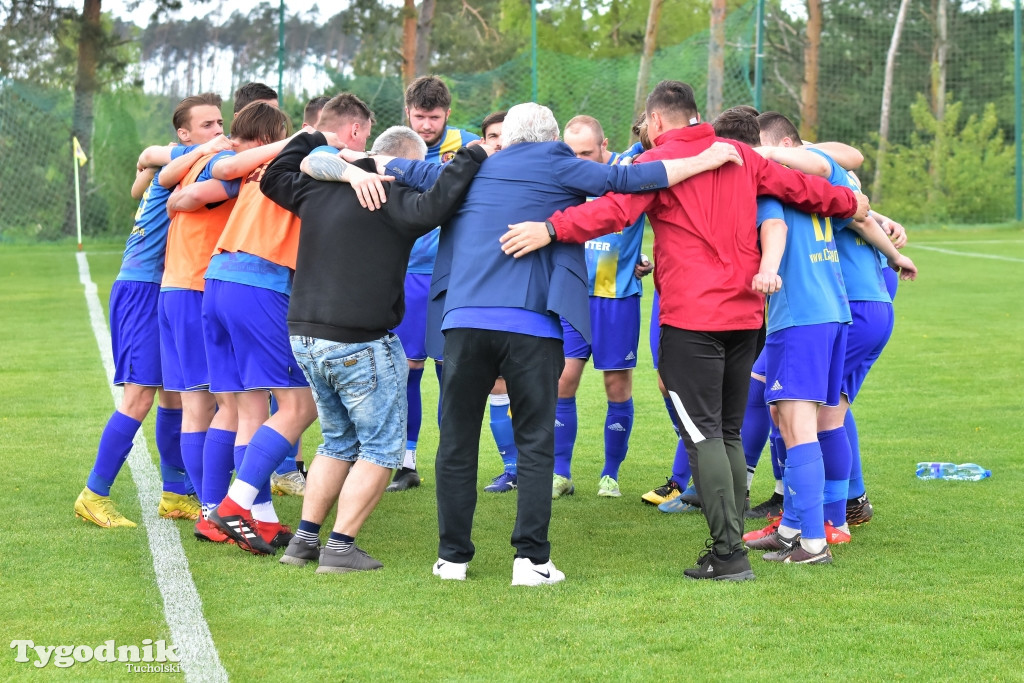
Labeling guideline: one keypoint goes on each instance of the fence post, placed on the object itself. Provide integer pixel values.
(1019, 123)
(759, 55)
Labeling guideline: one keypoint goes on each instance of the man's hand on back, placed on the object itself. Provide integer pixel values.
(522, 238)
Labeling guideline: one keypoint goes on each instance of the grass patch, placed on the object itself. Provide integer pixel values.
(930, 590)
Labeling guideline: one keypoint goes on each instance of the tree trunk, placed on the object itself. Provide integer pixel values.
(883, 125)
(809, 91)
(650, 40)
(86, 86)
(938, 88)
(409, 42)
(716, 60)
(423, 28)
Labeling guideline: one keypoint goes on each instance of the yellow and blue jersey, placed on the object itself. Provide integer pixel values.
(862, 265)
(611, 259)
(813, 290)
(143, 259)
(424, 251)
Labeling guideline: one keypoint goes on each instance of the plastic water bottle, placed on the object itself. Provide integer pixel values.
(971, 472)
(936, 470)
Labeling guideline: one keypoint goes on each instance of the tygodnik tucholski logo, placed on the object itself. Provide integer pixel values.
(150, 656)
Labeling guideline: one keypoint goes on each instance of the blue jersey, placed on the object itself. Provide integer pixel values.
(143, 259)
(230, 186)
(424, 251)
(862, 265)
(249, 269)
(611, 259)
(812, 291)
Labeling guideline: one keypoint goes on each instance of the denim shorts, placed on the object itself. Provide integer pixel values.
(359, 389)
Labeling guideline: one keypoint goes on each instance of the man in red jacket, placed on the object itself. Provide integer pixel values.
(712, 295)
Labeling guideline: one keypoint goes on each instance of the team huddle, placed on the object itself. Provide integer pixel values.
(291, 278)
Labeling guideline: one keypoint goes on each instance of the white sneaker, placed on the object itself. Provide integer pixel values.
(450, 571)
(526, 573)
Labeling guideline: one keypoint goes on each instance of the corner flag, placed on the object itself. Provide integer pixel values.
(79, 152)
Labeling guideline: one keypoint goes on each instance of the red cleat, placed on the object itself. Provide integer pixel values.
(772, 527)
(274, 533)
(834, 535)
(207, 531)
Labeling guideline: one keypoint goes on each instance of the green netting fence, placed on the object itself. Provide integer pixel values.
(958, 169)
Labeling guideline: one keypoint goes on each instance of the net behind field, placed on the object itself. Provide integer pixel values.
(959, 171)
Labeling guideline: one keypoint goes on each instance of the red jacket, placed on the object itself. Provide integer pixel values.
(705, 233)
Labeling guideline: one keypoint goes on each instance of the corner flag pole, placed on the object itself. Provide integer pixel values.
(78, 159)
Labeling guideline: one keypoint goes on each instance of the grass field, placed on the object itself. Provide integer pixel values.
(932, 589)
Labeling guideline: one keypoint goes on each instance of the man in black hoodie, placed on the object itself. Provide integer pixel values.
(348, 292)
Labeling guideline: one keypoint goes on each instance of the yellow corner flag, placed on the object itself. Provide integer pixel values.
(79, 152)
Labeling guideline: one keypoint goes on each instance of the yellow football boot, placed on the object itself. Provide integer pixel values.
(177, 506)
(99, 510)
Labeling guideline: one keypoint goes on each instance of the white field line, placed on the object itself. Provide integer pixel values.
(956, 242)
(183, 608)
(973, 254)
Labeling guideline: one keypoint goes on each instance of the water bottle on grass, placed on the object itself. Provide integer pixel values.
(971, 472)
(936, 470)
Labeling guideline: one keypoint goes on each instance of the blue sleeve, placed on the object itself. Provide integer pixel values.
(840, 178)
(636, 150)
(419, 175)
(768, 208)
(180, 150)
(582, 176)
(230, 186)
(325, 148)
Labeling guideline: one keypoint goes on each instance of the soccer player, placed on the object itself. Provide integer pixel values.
(427, 106)
(615, 292)
(808, 323)
(356, 367)
(200, 208)
(135, 333)
(254, 92)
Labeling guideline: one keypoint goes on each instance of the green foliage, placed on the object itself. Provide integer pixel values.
(958, 169)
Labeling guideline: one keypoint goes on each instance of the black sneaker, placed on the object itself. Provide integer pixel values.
(733, 567)
(770, 508)
(300, 552)
(774, 541)
(859, 511)
(404, 479)
(354, 559)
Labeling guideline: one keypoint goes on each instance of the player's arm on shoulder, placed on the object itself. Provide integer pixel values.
(154, 156)
(801, 159)
(142, 181)
(369, 187)
(715, 156)
(896, 232)
(773, 244)
(197, 195)
(846, 156)
(243, 163)
(872, 233)
(172, 173)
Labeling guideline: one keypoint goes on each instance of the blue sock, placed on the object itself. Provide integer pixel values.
(565, 435)
(266, 450)
(790, 517)
(856, 474)
(338, 541)
(438, 370)
(757, 421)
(415, 399)
(501, 428)
(805, 481)
(192, 456)
(115, 445)
(168, 444)
(778, 449)
(238, 455)
(837, 456)
(681, 463)
(671, 407)
(618, 425)
(308, 531)
(218, 458)
(288, 464)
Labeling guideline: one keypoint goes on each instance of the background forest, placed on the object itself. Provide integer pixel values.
(79, 70)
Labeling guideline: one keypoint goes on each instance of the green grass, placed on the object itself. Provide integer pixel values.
(930, 590)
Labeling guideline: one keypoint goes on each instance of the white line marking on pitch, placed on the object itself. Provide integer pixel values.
(972, 254)
(956, 242)
(182, 605)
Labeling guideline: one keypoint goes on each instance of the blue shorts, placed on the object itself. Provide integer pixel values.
(413, 328)
(246, 333)
(655, 328)
(805, 363)
(615, 325)
(869, 333)
(359, 389)
(760, 365)
(135, 333)
(182, 351)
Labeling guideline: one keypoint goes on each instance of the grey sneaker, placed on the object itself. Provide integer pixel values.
(300, 552)
(354, 559)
